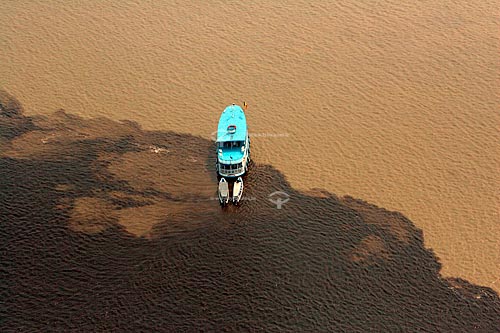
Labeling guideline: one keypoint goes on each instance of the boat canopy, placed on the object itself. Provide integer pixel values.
(232, 125)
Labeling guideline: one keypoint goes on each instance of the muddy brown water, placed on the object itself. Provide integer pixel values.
(395, 103)
(106, 227)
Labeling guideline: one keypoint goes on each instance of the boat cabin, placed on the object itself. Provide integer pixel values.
(233, 143)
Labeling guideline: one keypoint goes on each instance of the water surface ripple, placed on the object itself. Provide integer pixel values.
(106, 227)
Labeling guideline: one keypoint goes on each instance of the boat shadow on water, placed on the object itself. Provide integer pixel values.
(107, 227)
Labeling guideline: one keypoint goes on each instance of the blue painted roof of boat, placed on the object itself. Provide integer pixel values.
(232, 115)
(231, 155)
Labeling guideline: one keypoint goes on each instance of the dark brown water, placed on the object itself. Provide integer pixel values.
(117, 230)
(391, 101)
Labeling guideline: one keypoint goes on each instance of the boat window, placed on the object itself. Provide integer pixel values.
(231, 144)
(234, 166)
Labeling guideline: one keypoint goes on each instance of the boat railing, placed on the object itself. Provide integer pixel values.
(225, 171)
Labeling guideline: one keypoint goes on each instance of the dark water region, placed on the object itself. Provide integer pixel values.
(106, 227)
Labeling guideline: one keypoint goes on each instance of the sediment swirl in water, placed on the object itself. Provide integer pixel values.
(106, 227)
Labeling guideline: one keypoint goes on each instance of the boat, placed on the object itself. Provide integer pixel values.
(223, 192)
(237, 190)
(233, 142)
